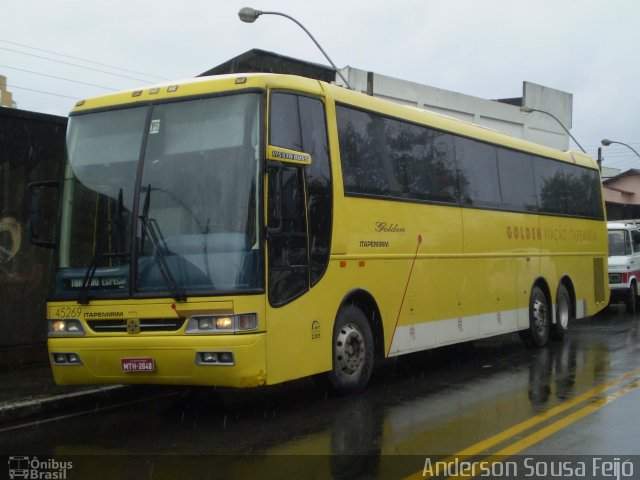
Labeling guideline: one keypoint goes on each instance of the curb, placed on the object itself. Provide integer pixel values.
(21, 409)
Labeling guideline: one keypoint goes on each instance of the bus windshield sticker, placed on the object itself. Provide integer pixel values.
(155, 127)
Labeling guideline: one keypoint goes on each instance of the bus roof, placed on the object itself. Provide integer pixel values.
(242, 81)
(197, 86)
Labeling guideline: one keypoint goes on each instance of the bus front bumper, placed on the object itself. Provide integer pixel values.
(237, 361)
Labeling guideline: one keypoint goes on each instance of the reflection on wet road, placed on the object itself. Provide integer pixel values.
(496, 398)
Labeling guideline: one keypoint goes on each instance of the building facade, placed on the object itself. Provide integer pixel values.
(6, 98)
(622, 195)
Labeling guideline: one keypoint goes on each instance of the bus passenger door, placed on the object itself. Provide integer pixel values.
(286, 234)
(299, 211)
(294, 314)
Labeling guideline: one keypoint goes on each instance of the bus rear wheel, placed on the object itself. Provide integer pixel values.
(352, 352)
(539, 320)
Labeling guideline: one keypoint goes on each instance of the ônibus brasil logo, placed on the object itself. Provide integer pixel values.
(33, 468)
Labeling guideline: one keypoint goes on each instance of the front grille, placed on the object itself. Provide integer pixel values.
(146, 325)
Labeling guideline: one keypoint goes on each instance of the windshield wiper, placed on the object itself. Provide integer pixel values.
(83, 297)
(149, 228)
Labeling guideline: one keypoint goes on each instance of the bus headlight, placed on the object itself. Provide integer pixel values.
(67, 326)
(205, 323)
(222, 323)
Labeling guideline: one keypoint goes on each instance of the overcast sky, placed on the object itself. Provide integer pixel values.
(483, 48)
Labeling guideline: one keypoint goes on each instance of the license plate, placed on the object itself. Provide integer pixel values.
(134, 365)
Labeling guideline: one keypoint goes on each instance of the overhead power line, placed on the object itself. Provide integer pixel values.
(613, 147)
(41, 91)
(58, 78)
(622, 163)
(74, 65)
(84, 60)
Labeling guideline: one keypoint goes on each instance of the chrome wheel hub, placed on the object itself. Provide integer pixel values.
(350, 349)
(540, 318)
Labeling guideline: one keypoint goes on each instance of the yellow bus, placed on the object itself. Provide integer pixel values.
(246, 230)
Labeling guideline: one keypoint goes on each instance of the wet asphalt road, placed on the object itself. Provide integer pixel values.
(494, 397)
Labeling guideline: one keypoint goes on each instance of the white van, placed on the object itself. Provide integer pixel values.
(624, 262)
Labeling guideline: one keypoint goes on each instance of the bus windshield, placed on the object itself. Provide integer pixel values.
(162, 198)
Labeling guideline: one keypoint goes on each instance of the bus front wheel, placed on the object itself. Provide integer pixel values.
(352, 351)
(539, 320)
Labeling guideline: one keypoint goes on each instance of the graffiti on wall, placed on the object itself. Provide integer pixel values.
(10, 242)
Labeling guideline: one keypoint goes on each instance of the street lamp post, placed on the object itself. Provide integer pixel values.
(606, 142)
(250, 15)
(524, 109)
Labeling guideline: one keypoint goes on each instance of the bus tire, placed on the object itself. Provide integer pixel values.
(539, 320)
(564, 314)
(352, 349)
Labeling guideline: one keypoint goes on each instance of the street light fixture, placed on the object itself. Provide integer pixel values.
(606, 142)
(525, 109)
(250, 15)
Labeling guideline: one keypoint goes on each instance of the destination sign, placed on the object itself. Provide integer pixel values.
(100, 282)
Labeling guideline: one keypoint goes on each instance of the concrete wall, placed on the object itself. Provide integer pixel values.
(31, 149)
(499, 115)
(541, 128)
